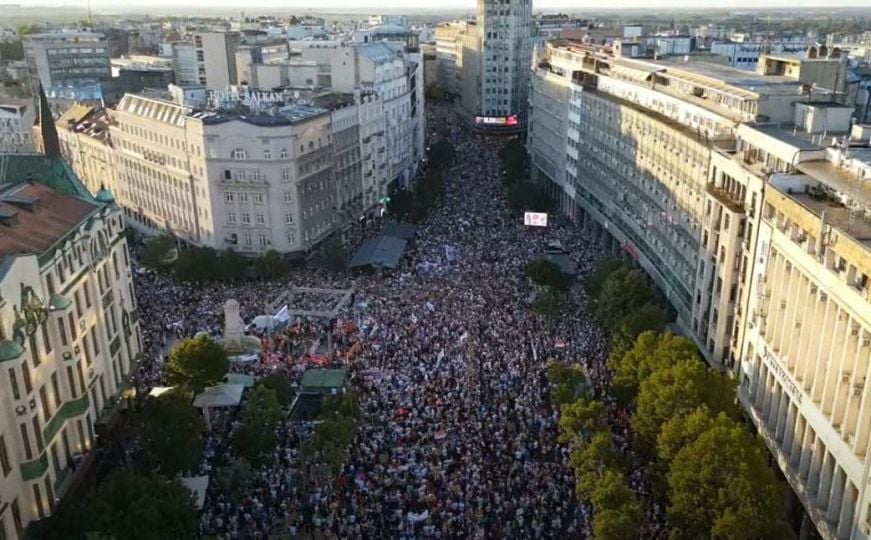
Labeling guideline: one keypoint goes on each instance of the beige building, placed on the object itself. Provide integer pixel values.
(743, 197)
(69, 332)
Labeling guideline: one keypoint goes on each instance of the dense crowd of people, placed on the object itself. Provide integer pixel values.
(457, 437)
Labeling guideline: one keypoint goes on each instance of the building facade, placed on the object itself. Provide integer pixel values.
(67, 59)
(742, 196)
(216, 58)
(69, 332)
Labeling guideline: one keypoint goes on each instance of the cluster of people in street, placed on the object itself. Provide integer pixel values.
(457, 436)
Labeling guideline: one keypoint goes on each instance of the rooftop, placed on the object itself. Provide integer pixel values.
(40, 216)
(287, 116)
(726, 75)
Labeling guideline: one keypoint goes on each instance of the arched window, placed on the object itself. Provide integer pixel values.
(239, 153)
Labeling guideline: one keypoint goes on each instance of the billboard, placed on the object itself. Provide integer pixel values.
(496, 121)
(535, 219)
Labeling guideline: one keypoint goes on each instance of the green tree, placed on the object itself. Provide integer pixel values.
(440, 154)
(616, 511)
(544, 273)
(12, 51)
(172, 433)
(549, 303)
(198, 264)
(567, 381)
(435, 93)
(650, 317)
(255, 436)
(593, 284)
(650, 352)
(720, 486)
(262, 407)
(580, 421)
(590, 461)
(331, 255)
(528, 196)
(196, 363)
(514, 162)
(681, 431)
(232, 266)
(678, 390)
(278, 383)
(235, 478)
(140, 507)
(623, 291)
(157, 253)
(271, 265)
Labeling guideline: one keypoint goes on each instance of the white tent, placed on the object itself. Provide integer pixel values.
(264, 322)
(240, 378)
(245, 358)
(158, 391)
(197, 485)
(222, 395)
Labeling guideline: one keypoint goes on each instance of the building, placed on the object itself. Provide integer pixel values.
(184, 64)
(69, 332)
(16, 121)
(551, 25)
(216, 58)
(504, 34)
(394, 20)
(745, 55)
(67, 59)
(742, 195)
(449, 52)
(410, 39)
(83, 132)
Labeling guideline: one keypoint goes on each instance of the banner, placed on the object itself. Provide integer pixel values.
(282, 315)
(535, 219)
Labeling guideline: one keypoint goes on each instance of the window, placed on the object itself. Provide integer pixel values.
(246, 218)
(260, 219)
(231, 217)
(13, 381)
(56, 390)
(263, 240)
(16, 517)
(38, 434)
(288, 219)
(46, 407)
(25, 373)
(291, 238)
(285, 175)
(258, 198)
(86, 349)
(4, 457)
(283, 153)
(34, 350)
(72, 322)
(228, 197)
(239, 153)
(288, 197)
(247, 239)
(72, 382)
(87, 290)
(267, 154)
(94, 340)
(63, 331)
(46, 342)
(38, 498)
(28, 451)
(243, 197)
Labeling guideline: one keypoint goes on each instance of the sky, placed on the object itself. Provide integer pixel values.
(416, 5)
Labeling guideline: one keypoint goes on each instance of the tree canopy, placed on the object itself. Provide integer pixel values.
(138, 507)
(544, 273)
(280, 384)
(650, 352)
(172, 433)
(623, 291)
(529, 196)
(156, 254)
(197, 363)
(722, 487)
(616, 510)
(255, 436)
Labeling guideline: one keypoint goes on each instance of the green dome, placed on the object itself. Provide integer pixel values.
(10, 350)
(104, 196)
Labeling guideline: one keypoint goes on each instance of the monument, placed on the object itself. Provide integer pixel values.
(234, 338)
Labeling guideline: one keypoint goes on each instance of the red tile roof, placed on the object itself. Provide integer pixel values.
(37, 230)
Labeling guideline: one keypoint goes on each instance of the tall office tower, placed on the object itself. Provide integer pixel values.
(216, 58)
(67, 59)
(504, 32)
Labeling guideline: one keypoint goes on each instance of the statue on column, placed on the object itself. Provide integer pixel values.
(233, 327)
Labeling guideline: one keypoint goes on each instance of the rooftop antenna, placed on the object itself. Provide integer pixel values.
(90, 16)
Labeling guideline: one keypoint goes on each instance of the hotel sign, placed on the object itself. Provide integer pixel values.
(245, 96)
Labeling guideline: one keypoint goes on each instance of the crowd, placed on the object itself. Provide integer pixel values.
(457, 437)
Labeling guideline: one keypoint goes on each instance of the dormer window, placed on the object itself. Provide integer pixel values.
(239, 153)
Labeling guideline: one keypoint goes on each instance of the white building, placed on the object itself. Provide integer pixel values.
(69, 332)
(184, 63)
(745, 55)
(216, 58)
(64, 59)
(16, 123)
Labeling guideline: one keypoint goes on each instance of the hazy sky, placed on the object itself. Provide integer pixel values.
(392, 5)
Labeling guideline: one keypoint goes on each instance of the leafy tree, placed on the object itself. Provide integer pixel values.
(567, 381)
(544, 273)
(514, 161)
(440, 154)
(590, 461)
(157, 252)
(12, 51)
(271, 265)
(232, 266)
(140, 507)
(593, 284)
(435, 93)
(580, 421)
(529, 196)
(648, 318)
(623, 291)
(196, 363)
(172, 433)
(236, 477)
(255, 437)
(278, 383)
(650, 352)
(616, 511)
(198, 264)
(331, 255)
(681, 431)
(721, 487)
(678, 390)
(549, 303)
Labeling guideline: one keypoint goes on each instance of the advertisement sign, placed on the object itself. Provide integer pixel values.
(507, 121)
(535, 219)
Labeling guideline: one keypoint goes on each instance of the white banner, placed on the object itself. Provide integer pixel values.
(283, 315)
(535, 219)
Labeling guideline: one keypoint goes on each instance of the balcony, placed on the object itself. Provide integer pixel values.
(68, 410)
(31, 470)
(725, 198)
